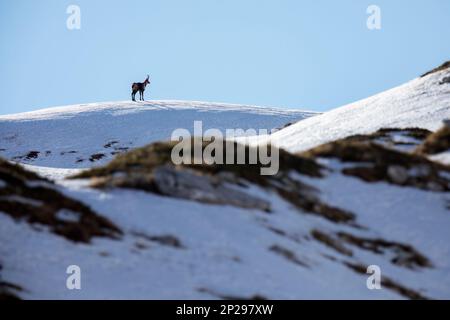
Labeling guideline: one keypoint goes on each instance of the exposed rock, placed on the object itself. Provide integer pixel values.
(189, 184)
(96, 157)
(28, 197)
(110, 144)
(151, 169)
(397, 174)
(32, 155)
(383, 164)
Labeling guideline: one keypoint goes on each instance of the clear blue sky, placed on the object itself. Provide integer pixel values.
(298, 54)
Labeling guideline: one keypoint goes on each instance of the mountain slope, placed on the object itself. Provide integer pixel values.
(423, 102)
(309, 232)
(80, 136)
(142, 227)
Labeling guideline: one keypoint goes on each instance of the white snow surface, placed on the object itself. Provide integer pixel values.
(54, 174)
(67, 137)
(422, 102)
(226, 250)
(443, 157)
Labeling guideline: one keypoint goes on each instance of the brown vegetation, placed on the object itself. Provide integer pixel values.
(378, 163)
(436, 143)
(403, 255)
(443, 66)
(150, 169)
(287, 254)
(31, 198)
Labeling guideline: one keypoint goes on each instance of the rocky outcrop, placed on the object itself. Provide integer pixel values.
(150, 169)
(372, 162)
(25, 196)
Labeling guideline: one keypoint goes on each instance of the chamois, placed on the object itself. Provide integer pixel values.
(139, 86)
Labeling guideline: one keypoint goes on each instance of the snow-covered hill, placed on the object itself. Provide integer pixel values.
(141, 227)
(80, 136)
(423, 102)
(191, 233)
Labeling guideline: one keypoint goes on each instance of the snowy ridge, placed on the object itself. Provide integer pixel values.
(124, 107)
(422, 102)
(80, 136)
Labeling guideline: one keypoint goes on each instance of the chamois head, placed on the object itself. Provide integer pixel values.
(147, 81)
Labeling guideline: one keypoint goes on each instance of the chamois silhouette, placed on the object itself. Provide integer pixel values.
(139, 86)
